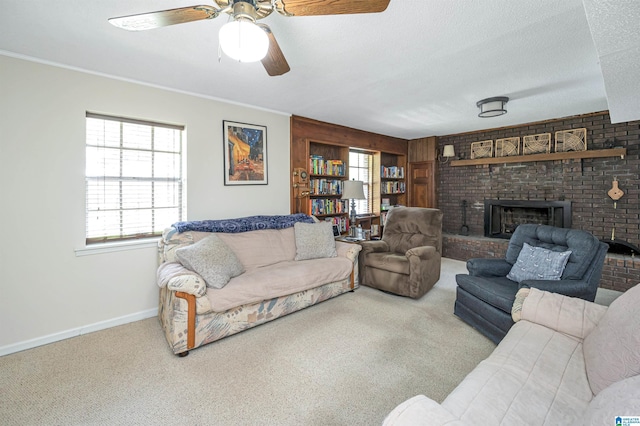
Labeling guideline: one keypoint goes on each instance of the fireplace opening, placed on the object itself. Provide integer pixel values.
(502, 217)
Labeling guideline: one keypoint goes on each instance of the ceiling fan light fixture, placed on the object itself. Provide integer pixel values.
(492, 107)
(241, 39)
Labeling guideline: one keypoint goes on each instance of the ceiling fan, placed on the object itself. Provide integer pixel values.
(242, 38)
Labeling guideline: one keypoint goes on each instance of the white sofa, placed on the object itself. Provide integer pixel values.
(273, 284)
(566, 361)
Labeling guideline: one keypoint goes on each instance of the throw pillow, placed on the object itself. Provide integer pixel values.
(612, 349)
(314, 240)
(212, 259)
(537, 263)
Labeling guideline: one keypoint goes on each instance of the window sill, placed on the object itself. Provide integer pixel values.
(115, 247)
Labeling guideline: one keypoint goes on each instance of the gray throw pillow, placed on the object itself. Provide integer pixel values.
(212, 259)
(314, 240)
(537, 263)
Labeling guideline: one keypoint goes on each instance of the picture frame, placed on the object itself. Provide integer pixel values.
(245, 153)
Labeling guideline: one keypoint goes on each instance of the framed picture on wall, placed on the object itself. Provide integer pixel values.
(245, 153)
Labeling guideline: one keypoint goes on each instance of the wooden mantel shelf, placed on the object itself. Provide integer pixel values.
(598, 153)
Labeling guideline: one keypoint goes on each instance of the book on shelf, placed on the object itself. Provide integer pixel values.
(325, 187)
(320, 166)
(393, 187)
(391, 172)
(322, 206)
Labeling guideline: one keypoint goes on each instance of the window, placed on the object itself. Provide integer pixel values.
(360, 168)
(134, 178)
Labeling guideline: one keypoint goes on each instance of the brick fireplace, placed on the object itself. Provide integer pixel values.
(582, 183)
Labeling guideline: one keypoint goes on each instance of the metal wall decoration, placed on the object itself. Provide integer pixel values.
(507, 147)
(245, 154)
(536, 144)
(482, 149)
(571, 140)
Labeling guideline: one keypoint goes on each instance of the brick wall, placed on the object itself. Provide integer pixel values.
(584, 182)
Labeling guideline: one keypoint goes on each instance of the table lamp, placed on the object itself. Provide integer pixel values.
(353, 190)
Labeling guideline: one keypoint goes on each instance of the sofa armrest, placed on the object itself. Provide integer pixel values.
(488, 267)
(350, 251)
(568, 315)
(420, 410)
(176, 277)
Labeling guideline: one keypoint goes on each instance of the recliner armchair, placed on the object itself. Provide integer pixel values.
(406, 261)
(485, 296)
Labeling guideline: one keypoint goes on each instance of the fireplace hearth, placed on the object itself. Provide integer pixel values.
(501, 217)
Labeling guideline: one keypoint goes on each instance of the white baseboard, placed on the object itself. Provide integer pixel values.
(90, 328)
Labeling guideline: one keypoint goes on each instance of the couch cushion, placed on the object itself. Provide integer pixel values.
(496, 291)
(278, 280)
(612, 350)
(263, 247)
(212, 259)
(620, 399)
(535, 376)
(537, 263)
(314, 240)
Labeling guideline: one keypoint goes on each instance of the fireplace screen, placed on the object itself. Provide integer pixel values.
(501, 217)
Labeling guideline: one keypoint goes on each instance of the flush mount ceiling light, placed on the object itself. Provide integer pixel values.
(492, 107)
(241, 39)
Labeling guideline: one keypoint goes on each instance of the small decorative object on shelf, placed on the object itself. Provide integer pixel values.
(507, 147)
(536, 144)
(482, 149)
(571, 140)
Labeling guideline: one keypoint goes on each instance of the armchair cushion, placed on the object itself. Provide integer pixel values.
(499, 292)
(537, 263)
(388, 261)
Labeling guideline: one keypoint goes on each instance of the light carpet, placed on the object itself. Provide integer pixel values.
(347, 361)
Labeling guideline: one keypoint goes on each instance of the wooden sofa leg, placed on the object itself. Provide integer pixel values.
(191, 319)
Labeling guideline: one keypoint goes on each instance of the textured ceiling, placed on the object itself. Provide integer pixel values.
(415, 70)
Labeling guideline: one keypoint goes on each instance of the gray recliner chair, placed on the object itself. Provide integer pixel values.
(406, 261)
(485, 296)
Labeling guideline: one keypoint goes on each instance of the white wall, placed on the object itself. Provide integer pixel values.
(46, 291)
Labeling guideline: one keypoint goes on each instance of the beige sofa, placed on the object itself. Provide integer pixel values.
(272, 285)
(566, 361)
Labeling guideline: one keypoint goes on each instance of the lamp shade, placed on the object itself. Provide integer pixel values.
(243, 41)
(492, 107)
(352, 189)
(448, 151)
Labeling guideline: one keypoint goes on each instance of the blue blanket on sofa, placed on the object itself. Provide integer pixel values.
(243, 224)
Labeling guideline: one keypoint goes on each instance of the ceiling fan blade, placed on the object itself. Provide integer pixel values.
(163, 18)
(329, 7)
(275, 62)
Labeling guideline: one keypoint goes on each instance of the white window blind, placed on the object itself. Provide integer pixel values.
(134, 178)
(360, 168)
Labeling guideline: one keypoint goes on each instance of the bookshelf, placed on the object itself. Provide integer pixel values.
(328, 168)
(393, 186)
